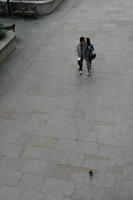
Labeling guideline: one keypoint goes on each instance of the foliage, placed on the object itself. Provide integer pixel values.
(2, 31)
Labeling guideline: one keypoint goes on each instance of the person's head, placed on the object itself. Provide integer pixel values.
(88, 41)
(82, 40)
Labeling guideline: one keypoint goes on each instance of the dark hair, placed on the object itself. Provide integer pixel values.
(88, 41)
(82, 39)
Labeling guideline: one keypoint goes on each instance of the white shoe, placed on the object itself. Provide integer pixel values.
(80, 72)
(88, 74)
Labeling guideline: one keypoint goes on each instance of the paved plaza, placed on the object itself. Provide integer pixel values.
(56, 125)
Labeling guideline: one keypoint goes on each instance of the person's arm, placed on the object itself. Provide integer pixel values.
(78, 51)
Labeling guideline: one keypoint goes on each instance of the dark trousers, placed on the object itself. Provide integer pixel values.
(80, 63)
(88, 65)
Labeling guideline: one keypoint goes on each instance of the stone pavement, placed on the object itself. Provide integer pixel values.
(56, 125)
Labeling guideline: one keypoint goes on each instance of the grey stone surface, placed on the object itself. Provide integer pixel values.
(9, 193)
(9, 178)
(74, 159)
(10, 150)
(56, 125)
(77, 146)
(58, 171)
(34, 166)
(87, 191)
(32, 196)
(56, 197)
(31, 182)
(96, 164)
(59, 187)
(80, 177)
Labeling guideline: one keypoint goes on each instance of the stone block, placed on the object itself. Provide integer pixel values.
(59, 187)
(10, 150)
(80, 177)
(34, 166)
(117, 169)
(77, 146)
(110, 193)
(35, 153)
(108, 138)
(53, 157)
(11, 164)
(31, 182)
(110, 151)
(55, 197)
(10, 193)
(107, 179)
(9, 178)
(72, 159)
(7, 137)
(86, 135)
(58, 171)
(87, 191)
(23, 138)
(44, 141)
(96, 164)
(32, 196)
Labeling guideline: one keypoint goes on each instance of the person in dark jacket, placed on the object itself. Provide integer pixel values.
(90, 54)
(81, 50)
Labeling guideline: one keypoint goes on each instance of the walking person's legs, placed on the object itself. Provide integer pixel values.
(88, 66)
(80, 63)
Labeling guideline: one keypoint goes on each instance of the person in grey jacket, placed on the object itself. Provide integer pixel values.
(81, 53)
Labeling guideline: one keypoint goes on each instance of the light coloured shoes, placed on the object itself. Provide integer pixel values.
(88, 74)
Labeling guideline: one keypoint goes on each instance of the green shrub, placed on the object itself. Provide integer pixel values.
(2, 31)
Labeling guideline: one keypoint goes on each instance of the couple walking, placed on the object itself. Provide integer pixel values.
(85, 51)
